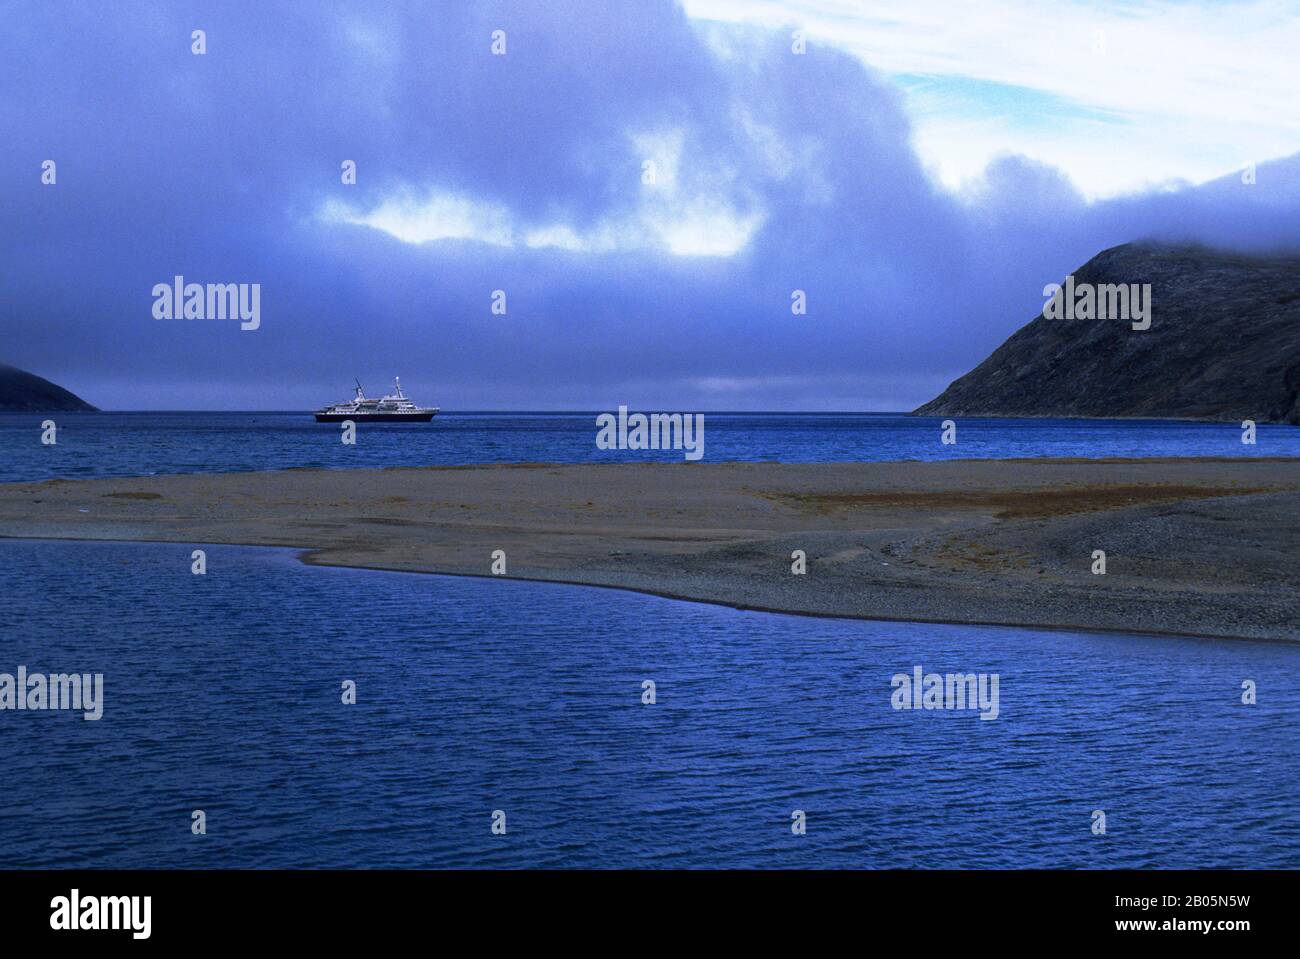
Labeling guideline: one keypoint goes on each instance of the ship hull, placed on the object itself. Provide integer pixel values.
(421, 417)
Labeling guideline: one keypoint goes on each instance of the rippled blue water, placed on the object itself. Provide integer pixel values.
(127, 444)
(222, 693)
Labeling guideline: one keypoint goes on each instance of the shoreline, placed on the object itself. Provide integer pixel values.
(303, 555)
(1197, 548)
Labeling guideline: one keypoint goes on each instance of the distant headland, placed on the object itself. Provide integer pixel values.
(1150, 331)
(23, 392)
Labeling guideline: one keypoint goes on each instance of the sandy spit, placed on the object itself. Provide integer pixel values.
(1206, 547)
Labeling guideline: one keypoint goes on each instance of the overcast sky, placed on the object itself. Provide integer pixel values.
(919, 174)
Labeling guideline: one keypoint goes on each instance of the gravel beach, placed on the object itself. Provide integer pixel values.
(1204, 547)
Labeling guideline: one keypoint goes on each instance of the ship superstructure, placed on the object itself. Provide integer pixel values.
(393, 408)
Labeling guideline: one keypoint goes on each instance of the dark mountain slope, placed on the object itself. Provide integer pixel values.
(25, 392)
(1224, 344)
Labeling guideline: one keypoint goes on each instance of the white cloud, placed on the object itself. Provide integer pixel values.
(665, 215)
(439, 216)
(1119, 96)
(708, 228)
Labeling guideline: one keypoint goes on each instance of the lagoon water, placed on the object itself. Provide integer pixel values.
(132, 444)
(223, 693)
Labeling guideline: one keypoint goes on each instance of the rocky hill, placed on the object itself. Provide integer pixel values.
(1223, 344)
(21, 391)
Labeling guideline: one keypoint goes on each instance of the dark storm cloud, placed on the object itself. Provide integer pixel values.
(219, 167)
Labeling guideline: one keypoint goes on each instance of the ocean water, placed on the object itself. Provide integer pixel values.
(129, 444)
(223, 693)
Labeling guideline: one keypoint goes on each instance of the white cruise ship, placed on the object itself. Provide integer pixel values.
(393, 408)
